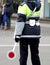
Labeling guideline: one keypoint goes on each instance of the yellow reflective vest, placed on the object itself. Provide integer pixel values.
(24, 9)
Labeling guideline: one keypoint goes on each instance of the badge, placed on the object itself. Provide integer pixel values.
(32, 22)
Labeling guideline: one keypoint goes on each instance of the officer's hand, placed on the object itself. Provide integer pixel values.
(17, 38)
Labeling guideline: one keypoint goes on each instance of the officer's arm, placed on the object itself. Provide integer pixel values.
(20, 24)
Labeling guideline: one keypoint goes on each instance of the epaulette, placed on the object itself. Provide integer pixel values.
(22, 3)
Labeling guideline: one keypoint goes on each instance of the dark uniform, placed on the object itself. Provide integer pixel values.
(28, 31)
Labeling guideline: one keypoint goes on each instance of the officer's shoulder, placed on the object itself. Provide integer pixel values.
(22, 3)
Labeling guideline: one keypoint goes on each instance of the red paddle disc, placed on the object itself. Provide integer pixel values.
(11, 55)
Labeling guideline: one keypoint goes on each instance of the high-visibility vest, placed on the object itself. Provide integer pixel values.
(24, 9)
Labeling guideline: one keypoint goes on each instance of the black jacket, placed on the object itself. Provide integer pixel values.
(28, 30)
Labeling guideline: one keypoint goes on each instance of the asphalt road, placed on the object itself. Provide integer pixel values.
(7, 44)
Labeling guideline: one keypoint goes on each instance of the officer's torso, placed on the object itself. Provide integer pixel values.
(31, 29)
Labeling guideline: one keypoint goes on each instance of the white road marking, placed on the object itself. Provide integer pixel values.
(18, 45)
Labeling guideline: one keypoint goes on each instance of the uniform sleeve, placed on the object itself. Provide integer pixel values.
(18, 28)
(20, 21)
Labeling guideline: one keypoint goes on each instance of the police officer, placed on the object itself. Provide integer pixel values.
(28, 30)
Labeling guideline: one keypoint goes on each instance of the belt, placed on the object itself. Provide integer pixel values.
(33, 22)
